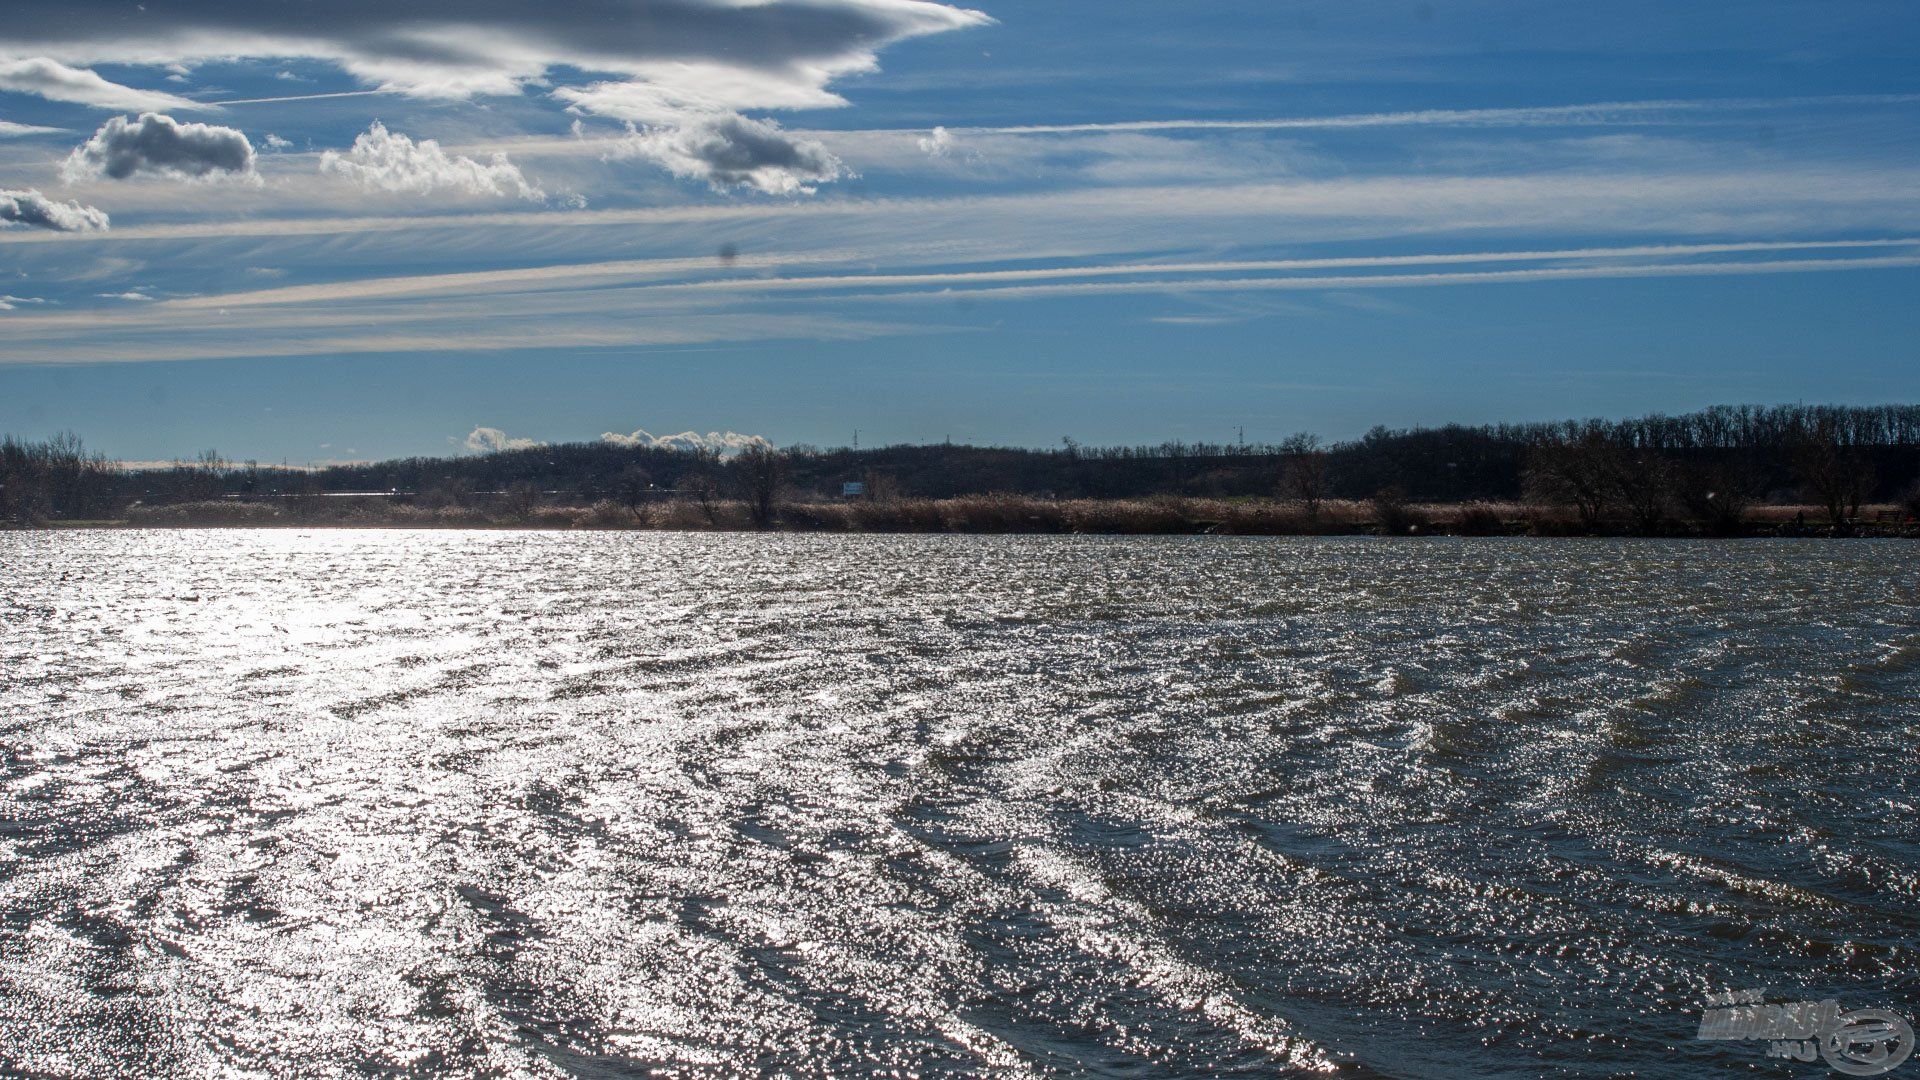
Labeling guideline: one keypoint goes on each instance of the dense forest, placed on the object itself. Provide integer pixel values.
(1709, 467)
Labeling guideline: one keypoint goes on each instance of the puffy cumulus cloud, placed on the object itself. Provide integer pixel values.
(937, 143)
(55, 81)
(491, 440)
(159, 144)
(940, 145)
(29, 207)
(723, 443)
(731, 151)
(684, 67)
(387, 161)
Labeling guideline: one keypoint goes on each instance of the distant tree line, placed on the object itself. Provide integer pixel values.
(1707, 468)
(57, 478)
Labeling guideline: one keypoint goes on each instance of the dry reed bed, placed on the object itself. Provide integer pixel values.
(1163, 515)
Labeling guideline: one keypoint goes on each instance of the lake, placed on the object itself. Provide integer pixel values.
(544, 804)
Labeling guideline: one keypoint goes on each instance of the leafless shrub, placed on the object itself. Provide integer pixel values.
(1394, 514)
(1716, 495)
(1478, 519)
(522, 497)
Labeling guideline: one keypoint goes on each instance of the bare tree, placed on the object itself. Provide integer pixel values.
(763, 471)
(305, 498)
(1646, 489)
(1717, 495)
(1303, 473)
(57, 478)
(1832, 473)
(700, 490)
(522, 498)
(634, 486)
(1582, 470)
(23, 482)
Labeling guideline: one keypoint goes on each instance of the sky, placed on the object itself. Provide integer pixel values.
(315, 233)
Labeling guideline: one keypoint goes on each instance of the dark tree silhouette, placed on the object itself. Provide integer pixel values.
(634, 488)
(523, 496)
(1580, 469)
(1832, 472)
(1303, 473)
(762, 471)
(1717, 494)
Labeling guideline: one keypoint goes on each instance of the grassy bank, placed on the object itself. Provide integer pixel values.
(1161, 515)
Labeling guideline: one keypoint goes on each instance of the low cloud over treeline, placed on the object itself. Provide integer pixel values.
(1699, 472)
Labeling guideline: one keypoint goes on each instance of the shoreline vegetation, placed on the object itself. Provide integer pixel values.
(1727, 471)
(1016, 514)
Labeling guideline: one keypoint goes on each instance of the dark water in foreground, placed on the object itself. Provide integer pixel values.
(538, 805)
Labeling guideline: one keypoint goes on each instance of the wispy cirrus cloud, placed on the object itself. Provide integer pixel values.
(595, 309)
(1400, 281)
(50, 79)
(471, 329)
(1606, 113)
(11, 130)
(1717, 201)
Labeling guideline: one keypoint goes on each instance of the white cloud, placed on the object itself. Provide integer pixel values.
(686, 67)
(1318, 283)
(387, 161)
(275, 142)
(730, 151)
(55, 81)
(451, 48)
(1605, 112)
(131, 294)
(723, 443)
(490, 440)
(163, 146)
(1795, 201)
(673, 91)
(11, 130)
(9, 303)
(938, 143)
(29, 207)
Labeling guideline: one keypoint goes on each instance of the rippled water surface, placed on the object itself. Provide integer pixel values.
(515, 804)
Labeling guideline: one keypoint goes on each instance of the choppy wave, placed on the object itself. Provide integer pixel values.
(546, 805)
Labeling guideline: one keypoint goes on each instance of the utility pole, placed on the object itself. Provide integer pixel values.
(1243, 438)
(856, 438)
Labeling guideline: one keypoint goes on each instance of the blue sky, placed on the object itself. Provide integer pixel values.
(1124, 222)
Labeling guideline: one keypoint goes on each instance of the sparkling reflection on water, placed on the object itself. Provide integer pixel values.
(293, 804)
